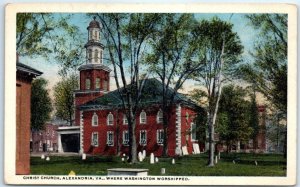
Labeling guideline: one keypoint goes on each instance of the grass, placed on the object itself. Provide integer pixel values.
(193, 165)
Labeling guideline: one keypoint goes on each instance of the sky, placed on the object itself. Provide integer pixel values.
(240, 25)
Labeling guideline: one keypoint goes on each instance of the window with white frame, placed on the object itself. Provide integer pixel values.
(110, 138)
(94, 141)
(143, 117)
(95, 120)
(160, 136)
(193, 131)
(105, 85)
(125, 120)
(159, 117)
(125, 137)
(143, 137)
(110, 119)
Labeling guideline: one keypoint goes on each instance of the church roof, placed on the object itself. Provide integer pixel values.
(151, 94)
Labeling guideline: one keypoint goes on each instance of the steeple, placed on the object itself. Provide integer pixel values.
(94, 49)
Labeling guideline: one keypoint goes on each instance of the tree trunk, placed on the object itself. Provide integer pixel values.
(132, 138)
(211, 142)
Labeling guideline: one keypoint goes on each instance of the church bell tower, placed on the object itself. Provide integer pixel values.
(94, 75)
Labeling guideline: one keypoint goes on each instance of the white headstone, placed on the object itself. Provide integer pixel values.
(162, 170)
(83, 156)
(140, 157)
(216, 159)
(144, 154)
(123, 159)
(196, 148)
(151, 158)
(255, 162)
(233, 162)
(124, 154)
(156, 159)
(184, 150)
(173, 161)
(48, 158)
(219, 155)
(43, 157)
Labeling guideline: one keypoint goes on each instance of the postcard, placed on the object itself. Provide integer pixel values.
(150, 94)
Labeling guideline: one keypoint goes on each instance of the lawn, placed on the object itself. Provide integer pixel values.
(193, 165)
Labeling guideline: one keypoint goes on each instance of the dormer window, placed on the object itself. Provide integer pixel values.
(110, 119)
(159, 117)
(143, 117)
(95, 120)
(87, 84)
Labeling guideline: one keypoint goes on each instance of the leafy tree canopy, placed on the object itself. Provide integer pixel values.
(40, 104)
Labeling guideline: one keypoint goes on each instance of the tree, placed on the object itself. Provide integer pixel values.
(171, 60)
(254, 118)
(126, 40)
(234, 116)
(219, 50)
(268, 72)
(48, 35)
(64, 99)
(40, 104)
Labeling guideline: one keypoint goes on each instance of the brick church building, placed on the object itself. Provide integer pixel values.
(99, 114)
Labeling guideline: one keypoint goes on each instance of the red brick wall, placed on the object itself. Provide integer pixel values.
(151, 127)
(92, 74)
(40, 137)
(23, 126)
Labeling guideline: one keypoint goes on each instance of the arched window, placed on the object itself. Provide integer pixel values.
(110, 119)
(97, 83)
(193, 131)
(87, 84)
(96, 56)
(159, 117)
(105, 85)
(101, 56)
(90, 35)
(143, 117)
(90, 55)
(95, 120)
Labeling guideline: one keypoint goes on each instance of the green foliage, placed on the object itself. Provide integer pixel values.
(49, 35)
(63, 98)
(40, 104)
(234, 115)
(254, 117)
(268, 72)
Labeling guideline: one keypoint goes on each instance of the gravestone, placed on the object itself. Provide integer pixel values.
(48, 158)
(184, 150)
(163, 171)
(140, 157)
(216, 159)
(151, 158)
(173, 161)
(255, 162)
(123, 159)
(196, 148)
(156, 159)
(83, 156)
(233, 162)
(144, 154)
(124, 154)
(43, 157)
(219, 155)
